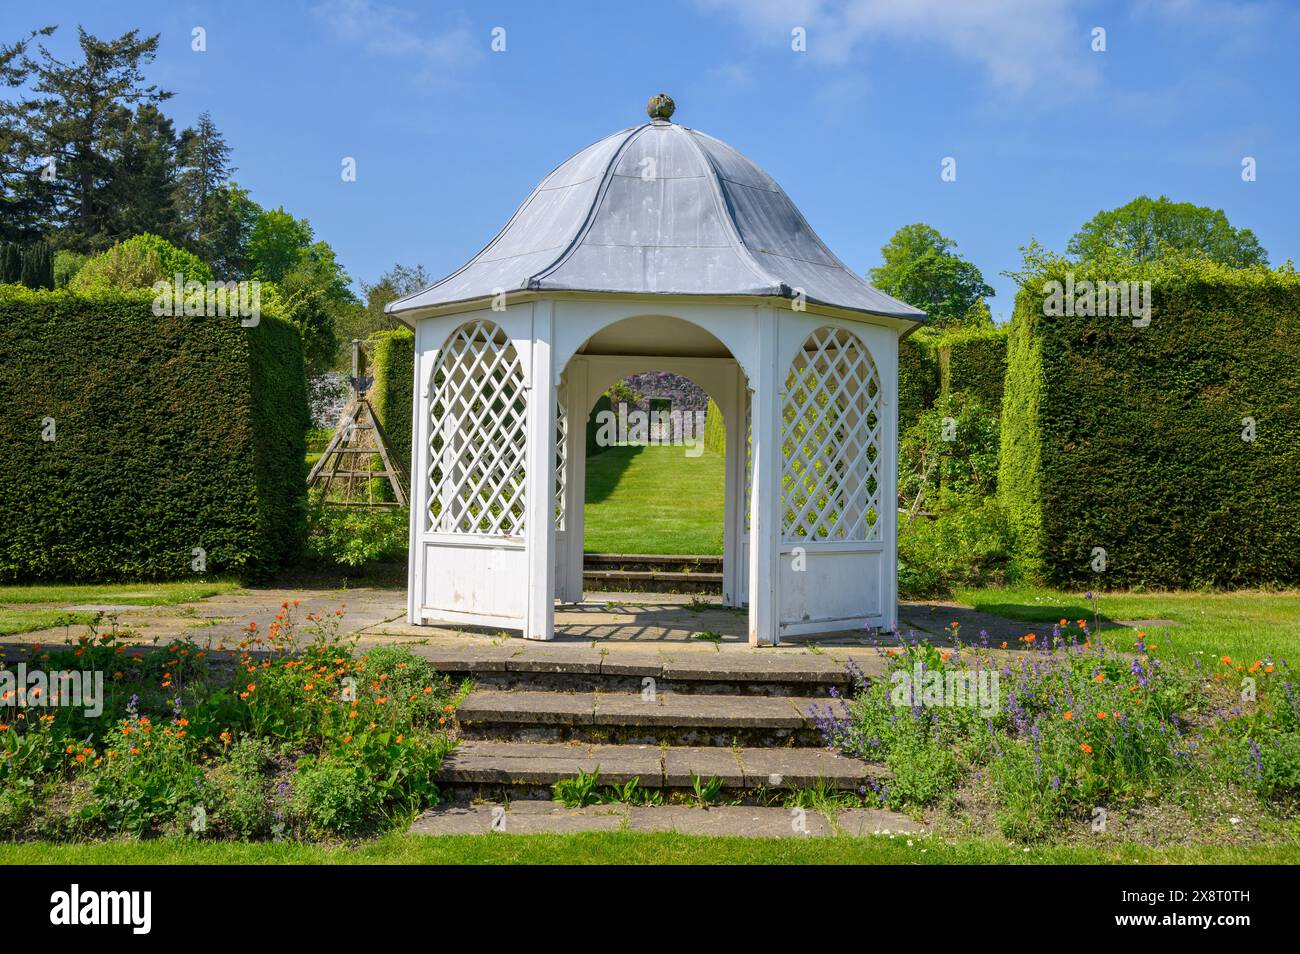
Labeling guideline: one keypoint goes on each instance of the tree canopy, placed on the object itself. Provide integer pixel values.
(1147, 228)
(921, 268)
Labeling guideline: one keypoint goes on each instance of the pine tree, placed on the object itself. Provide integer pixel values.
(38, 266)
(79, 109)
(204, 158)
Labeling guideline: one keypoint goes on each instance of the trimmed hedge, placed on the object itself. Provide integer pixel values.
(171, 433)
(1130, 439)
(715, 430)
(918, 376)
(393, 365)
(974, 361)
(603, 403)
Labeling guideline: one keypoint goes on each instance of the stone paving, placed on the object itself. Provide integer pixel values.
(524, 817)
(621, 621)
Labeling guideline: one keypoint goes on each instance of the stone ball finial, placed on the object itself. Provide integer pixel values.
(660, 107)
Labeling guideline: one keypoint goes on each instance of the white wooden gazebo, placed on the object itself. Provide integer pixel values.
(657, 248)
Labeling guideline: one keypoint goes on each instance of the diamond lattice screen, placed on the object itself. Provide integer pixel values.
(830, 431)
(561, 454)
(478, 434)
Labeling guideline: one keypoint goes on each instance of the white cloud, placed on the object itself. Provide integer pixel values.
(387, 31)
(1021, 44)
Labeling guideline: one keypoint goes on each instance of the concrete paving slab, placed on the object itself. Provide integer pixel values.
(876, 821)
(681, 762)
(800, 768)
(527, 706)
(736, 820)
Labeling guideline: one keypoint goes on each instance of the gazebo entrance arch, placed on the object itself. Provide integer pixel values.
(657, 247)
(614, 352)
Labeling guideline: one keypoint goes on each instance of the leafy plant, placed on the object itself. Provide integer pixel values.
(580, 791)
(705, 793)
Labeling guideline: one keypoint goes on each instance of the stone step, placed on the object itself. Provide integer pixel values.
(537, 816)
(522, 768)
(667, 718)
(652, 581)
(649, 561)
(698, 669)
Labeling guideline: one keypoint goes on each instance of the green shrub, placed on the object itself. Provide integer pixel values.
(336, 798)
(1130, 439)
(137, 263)
(237, 794)
(918, 376)
(66, 266)
(171, 433)
(355, 537)
(967, 542)
(973, 361)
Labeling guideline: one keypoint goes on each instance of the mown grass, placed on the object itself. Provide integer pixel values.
(638, 848)
(15, 617)
(1246, 625)
(654, 500)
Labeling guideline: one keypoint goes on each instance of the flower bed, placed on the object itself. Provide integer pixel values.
(288, 734)
(1060, 731)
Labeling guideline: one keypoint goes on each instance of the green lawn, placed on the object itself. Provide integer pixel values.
(654, 500)
(629, 848)
(17, 617)
(1247, 625)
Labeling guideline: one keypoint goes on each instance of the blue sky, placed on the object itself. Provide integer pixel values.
(449, 136)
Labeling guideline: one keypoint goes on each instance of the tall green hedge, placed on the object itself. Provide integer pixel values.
(170, 433)
(715, 430)
(393, 366)
(974, 361)
(603, 403)
(1131, 438)
(918, 376)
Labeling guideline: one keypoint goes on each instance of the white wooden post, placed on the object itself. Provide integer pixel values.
(539, 518)
(765, 497)
(575, 486)
(419, 481)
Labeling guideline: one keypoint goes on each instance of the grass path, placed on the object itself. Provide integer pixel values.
(1247, 625)
(654, 500)
(25, 608)
(629, 848)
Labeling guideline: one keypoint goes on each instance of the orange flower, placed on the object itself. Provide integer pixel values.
(1256, 666)
(1101, 715)
(1030, 638)
(1086, 747)
(1069, 715)
(1226, 660)
(1063, 622)
(1004, 644)
(1100, 677)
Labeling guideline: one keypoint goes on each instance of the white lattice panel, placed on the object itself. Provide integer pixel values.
(561, 455)
(830, 434)
(478, 434)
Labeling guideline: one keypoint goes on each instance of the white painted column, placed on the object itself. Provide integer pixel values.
(765, 498)
(539, 516)
(731, 406)
(575, 485)
(419, 482)
(888, 458)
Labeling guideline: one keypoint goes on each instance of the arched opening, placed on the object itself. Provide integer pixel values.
(661, 487)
